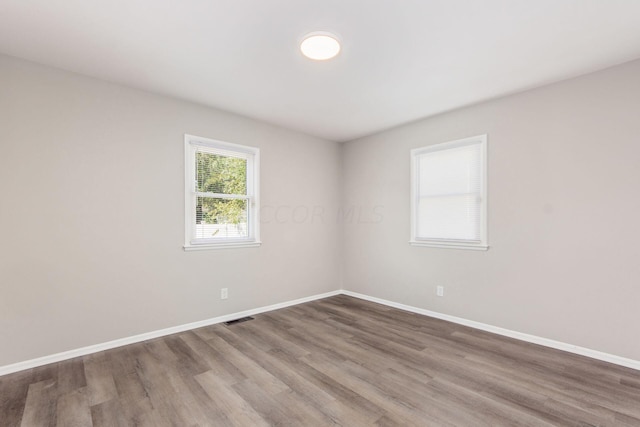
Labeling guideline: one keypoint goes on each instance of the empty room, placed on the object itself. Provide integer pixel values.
(338, 213)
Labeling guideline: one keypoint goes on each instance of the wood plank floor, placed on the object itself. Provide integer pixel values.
(337, 361)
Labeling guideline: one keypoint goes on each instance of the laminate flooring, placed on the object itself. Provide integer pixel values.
(336, 361)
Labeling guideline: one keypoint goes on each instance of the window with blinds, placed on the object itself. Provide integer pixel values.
(221, 206)
(449, 194)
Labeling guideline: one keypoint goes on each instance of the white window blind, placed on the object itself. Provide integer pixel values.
(221, 207)
(449, 194)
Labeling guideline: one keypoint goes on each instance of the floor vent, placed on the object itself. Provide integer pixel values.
(240, 320)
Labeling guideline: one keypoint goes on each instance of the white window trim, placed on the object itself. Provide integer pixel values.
(253, 181)
(480, 245)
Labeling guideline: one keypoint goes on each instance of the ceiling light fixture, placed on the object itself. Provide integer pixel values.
(320, 45)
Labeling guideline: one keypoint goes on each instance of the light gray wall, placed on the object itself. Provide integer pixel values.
(564, 215)
(92, 214)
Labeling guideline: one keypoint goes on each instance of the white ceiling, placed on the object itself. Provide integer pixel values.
(401, 59)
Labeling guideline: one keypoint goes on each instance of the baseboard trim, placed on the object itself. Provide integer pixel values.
(558, 345)
(58, 357)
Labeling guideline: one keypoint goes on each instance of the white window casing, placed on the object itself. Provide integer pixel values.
(449, 194)
(221, 194)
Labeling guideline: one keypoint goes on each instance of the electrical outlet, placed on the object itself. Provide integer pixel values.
(224, 293)
(440, 291)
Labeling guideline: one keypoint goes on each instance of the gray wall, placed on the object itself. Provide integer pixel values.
(92, 214)
(564, 215)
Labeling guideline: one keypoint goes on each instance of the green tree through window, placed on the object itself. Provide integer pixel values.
(221, 175)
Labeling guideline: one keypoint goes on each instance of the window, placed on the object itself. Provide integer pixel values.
(449, 194)
(221, 194)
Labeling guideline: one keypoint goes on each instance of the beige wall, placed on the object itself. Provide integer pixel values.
(92, 214)
(564, 210)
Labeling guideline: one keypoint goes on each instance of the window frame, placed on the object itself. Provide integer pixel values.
(252, 155)
(415, 240)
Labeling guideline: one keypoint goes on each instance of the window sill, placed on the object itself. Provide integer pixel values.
(469, 247)
(214, 246)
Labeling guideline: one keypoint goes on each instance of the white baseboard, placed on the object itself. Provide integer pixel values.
(594, 354)
(58, 357)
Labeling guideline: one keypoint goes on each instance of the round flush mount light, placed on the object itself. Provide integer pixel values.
(320, 45)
